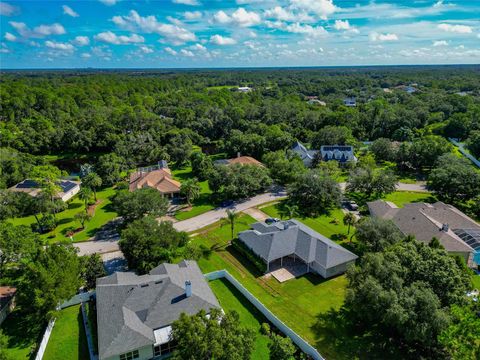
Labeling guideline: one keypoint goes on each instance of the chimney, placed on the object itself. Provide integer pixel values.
(285, 225)
(445, 227)
(188, 288)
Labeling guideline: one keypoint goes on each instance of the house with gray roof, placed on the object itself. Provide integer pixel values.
(306, 155)
(295, 240)
(341, 153)
(67, 188)
(135, 313)
(458, 233)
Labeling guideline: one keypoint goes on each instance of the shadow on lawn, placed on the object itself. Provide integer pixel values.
(74, 205)
(23, 331)
(83, 353)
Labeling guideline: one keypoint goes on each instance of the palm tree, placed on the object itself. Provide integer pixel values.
(82, 218)
(232, 217)
(93, 181)
(289, 210)
(85, 194)
(191, 190)
(349, 219)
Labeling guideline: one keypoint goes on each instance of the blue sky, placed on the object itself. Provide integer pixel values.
(207, 33)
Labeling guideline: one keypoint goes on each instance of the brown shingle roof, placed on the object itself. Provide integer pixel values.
(245, 160)
(160, 179)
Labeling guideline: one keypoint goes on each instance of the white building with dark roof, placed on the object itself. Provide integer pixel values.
(306, 155)
(295, 240)
(135, 313)
(68, 188)
(340, 153)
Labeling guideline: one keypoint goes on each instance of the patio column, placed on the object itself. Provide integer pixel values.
(268, 266)
(281, 261)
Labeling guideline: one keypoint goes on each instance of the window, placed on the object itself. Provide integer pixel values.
(130, 355)
(163, 349)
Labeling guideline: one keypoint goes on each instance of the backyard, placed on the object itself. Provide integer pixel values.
(66, 220)
(68, 340)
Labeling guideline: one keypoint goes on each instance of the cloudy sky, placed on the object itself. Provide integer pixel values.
(232, 33)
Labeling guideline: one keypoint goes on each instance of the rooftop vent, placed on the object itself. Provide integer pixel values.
(188, 288)
(445, 227)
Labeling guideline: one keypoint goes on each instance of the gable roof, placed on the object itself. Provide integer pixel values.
(244, 160)
(280, 239)
(130, 307)
(159, 178)
(341, 153)
(306, 155)
(425, 221)
(32, 187)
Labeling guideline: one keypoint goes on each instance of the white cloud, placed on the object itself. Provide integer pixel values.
(39, 31)
(461, 29)
(67, 10)
(440, 43)
(81, 40)
(298, 28)
(10, 37)
(146, 49)
(198, 47)
(186, 53)
(7, 9)
(192, 15)
(172, 33)
(279, 13)
(59, 46)
(170, 51)
(111, 38)
(322, 8)
(342, 25)
(239, 17)
(174, 20)
(187, 2)
(86, 56)
(108, 2)
(374, 36)
(222, 40)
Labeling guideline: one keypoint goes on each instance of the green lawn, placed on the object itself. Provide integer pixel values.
(23, 334)
(400, 198)
(299, 303)
(103, 214)
(231, 299)
(328, 225)
(476, 281)
(200, 205)
(68, 340)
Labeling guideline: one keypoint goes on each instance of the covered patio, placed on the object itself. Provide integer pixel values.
(287, 268)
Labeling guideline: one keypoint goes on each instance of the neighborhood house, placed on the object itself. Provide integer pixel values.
(291, 240)
(458, 233)
(69, 188)
(306, 155)
(157, 177)
(350, 101)
(242, 160)
(7, 301)
(135, 313)
(340, 153)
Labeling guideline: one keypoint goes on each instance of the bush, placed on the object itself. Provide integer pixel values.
(265, 329)
(245, 251)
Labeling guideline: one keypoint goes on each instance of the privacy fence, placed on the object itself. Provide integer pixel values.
(302, 344)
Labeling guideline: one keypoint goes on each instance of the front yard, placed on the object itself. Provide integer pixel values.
(65, 219)
(68, 340)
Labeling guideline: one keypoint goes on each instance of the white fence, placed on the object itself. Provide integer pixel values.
(302, 344)
(46, 336)
(464, 152)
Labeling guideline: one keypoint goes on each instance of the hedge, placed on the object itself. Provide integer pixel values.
(252, 257)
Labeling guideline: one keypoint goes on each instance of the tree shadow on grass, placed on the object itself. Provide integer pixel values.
(83, 353)
(74, 205)
(23, 331)
(64, 221)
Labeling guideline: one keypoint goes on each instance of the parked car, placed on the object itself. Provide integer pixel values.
(271, 221)
(352, 205)
(226, 203)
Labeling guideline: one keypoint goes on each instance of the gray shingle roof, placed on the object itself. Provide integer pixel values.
(425, 221)
(306, 155)
(131, 307)
(341, 153)
(280, 239)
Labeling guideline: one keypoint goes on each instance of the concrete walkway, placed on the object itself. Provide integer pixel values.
(257, 214)
(213, 216)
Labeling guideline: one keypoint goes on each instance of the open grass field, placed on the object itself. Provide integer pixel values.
(68, 340)
(476, 281)
(400, 198)
(200, 205)
(301, 303)
(23, 334)
(66, 219)
(231, 299)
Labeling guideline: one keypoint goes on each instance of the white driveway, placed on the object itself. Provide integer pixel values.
(98, 246)
(213, 216)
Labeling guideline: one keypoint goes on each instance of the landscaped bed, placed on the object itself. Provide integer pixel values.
(231, 299)
(66, 219)
(68, 340)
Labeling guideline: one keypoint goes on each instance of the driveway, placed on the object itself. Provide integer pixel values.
(97, 246)
(257, 214)
(213, 216)
(419, 186)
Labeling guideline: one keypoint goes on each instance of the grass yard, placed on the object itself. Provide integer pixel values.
(231, 299)
(68, 340)
(23, 334)
(400, 198)
(476, 281)
(298, 303)
(328, 225)
(65, 219)
(200, 205)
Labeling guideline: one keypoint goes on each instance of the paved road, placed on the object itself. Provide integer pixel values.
(97, 246)
(213, 216)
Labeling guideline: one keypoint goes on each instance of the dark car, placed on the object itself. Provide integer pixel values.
(269, 221)
(352, 205)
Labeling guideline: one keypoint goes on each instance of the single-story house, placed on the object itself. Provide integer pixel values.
(135, 313)
(158, 177)
(316, 102)
(306, 155)
(69, 188)
(350, 101)
(244, 89)
(458, 233)
(340, 153)
(295, 240)
(7, 301)
(242, 160)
